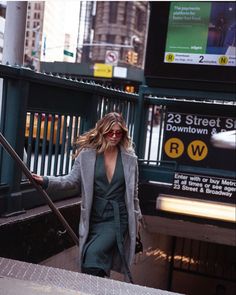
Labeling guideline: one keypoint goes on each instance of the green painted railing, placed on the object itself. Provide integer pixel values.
(43, 114)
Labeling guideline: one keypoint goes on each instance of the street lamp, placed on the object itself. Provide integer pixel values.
(134, 40)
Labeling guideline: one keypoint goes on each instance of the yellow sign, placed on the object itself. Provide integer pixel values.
(197, 150)
(102, 70)
(170, 57)
(174, 147)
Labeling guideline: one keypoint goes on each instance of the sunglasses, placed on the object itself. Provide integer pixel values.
(117, 133)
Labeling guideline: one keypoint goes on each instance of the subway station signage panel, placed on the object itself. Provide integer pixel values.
(188, 140)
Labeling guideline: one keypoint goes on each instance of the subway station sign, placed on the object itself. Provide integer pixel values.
(188, 140)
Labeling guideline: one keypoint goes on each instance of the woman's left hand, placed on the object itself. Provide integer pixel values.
(139, 226)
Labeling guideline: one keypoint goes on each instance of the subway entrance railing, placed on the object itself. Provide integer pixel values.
(41, 117)
(43, 114)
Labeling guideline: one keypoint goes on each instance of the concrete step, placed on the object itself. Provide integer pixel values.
(10, 286)
(18, 278)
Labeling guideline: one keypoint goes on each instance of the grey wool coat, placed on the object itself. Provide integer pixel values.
(81, 181)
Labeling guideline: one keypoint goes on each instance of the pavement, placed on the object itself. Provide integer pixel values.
(10, 286)
(21, 278)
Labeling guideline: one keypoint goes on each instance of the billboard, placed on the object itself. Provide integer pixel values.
(202, 33)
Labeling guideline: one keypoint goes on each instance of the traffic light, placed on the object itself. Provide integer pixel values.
(134, 57)
(129, 57)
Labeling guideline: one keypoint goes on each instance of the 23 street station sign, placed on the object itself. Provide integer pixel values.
(187, 140)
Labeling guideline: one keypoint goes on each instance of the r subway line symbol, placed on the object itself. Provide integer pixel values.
(170, 57)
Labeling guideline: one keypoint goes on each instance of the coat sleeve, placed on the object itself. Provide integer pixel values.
(136, 199)
(68, 185)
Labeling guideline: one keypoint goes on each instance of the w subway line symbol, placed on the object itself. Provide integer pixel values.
(197, 150)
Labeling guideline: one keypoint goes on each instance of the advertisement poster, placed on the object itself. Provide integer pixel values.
(202, 33)
(187, 140)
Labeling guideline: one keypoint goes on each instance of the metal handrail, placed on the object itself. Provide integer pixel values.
(42, 192)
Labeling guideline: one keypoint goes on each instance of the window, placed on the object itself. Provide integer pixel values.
(140, 19)
(113, 12)
(36, 15)
(36, 24)
(111, 39)
(126, 7)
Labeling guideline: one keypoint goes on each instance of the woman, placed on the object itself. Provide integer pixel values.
(105, 172)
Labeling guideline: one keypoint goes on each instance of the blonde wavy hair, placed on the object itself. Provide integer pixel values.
(95, 138)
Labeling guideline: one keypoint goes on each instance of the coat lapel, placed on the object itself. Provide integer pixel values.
(128, 161)
(88, 159)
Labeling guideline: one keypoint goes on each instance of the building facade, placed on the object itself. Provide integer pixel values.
(51, 32)
(33, 33)
(2, 25)
(119, 30)
(60, 31)
(112, 32)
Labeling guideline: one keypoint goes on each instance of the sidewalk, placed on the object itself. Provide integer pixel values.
(21, 278)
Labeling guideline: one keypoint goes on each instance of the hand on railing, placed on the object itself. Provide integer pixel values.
(38, 179)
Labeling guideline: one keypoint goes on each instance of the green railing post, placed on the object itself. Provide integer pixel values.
(139, 122)
(91, 117)
(46, 95)
(13, 117)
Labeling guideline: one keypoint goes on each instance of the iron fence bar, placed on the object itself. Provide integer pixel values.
(123, 108)
(190, 254)
(37, 143)
(57, 145)
(45, 134)
(50, 147)
(161, 130)
(30, 140)
(182, 251)
(132, 115)
(63, 142)
(68, 148)
(151, 133)
(99, 105)
(171, 264)
(75, 133)
(42, 192)
(199, 251)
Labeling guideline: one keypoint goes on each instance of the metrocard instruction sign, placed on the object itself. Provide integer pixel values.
(214, 187)
(188, 140)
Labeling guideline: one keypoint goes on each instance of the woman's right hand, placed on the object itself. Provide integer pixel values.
(38, 178)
